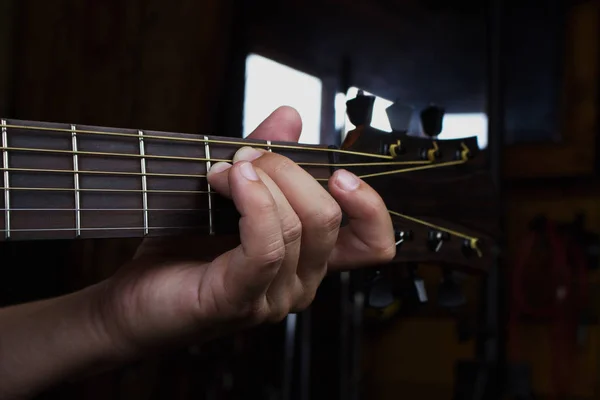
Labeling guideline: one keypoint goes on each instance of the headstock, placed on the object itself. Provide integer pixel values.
(439, 192)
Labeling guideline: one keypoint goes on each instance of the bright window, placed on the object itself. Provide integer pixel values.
(455, 126)
(270, 85)
(379, 117)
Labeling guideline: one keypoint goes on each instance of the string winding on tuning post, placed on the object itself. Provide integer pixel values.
(470, 241)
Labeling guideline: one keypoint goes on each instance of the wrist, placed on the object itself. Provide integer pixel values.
(101, 326)
(106, 323)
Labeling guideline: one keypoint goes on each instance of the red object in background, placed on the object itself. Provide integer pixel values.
(563, 278)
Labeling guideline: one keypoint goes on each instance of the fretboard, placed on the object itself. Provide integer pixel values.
(64, 181)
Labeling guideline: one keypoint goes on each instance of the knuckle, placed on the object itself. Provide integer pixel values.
(273, 163)
(282, 164)
(266, 207)
(331, 216)
(278, 313)
(251, 312)
(272, 256)
(305, 300)
(292, 229)
(387, 253)
(373, 208)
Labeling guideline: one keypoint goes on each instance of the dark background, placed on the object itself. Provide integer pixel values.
(179, 66)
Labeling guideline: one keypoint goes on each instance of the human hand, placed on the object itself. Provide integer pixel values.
(290, 237)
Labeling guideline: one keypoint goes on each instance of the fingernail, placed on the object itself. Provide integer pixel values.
(347, 180)
(219, 167)
(247, 154)
(247, 170)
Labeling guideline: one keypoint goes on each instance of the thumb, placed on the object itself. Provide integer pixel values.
(284, 124)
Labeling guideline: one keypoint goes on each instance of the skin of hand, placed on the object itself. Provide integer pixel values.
(290, 237)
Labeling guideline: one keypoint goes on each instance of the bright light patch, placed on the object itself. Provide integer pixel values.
(455, 126)
(458, 126)
(379, 117)
(270, 85)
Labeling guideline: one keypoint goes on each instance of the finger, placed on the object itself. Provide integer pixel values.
(248, 270)
(319, 214)
(218, 175)
(284, 124)
(369, 236)
(285, 289)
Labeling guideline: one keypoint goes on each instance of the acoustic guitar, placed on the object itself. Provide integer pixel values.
(66, 181)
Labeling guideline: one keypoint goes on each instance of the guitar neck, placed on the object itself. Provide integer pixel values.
(64, 181)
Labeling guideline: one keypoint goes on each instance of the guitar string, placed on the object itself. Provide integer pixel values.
(203, 141)
(113, 209)
(177, 175)
(398, 171)
(203, 159)
(473, 241)
(122, 228)
(225, 142)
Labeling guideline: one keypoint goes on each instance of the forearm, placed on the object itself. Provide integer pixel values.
(49, 341)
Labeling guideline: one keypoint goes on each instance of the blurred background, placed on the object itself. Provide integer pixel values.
(522, 76)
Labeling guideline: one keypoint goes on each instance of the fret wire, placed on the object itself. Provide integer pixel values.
(208, 166)
(144, 183)
(215, 141)
(6, 180)
(76, 180)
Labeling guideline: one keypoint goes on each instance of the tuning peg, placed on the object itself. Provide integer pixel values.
(380, 292)
(419, 290)
(436, 239)
(432, 119)
(463, 153)
(360, 109)
(402, 236)
(399, 116)
(449, 292)
(470, 247)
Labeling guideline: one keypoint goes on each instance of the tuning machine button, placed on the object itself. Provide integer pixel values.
(436, 239)
(432, 119)
(403, 236)
(360, 109)
(399, 115)
(418, 285)
(379, 292)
